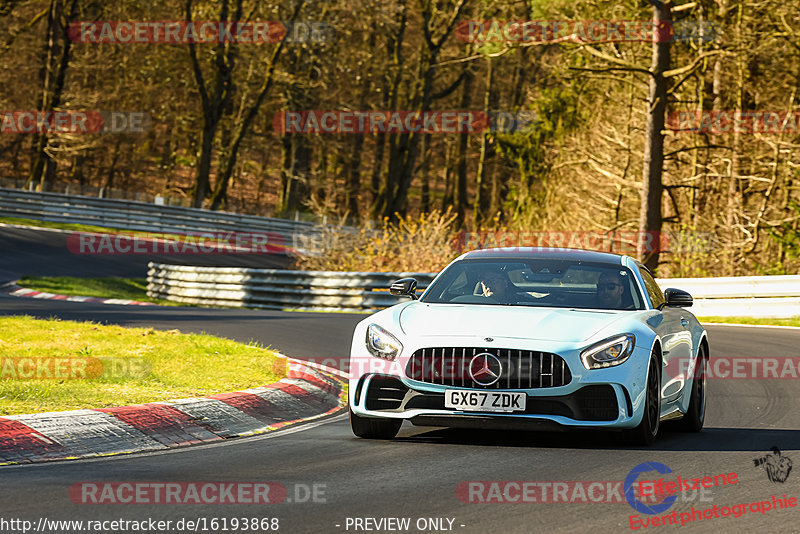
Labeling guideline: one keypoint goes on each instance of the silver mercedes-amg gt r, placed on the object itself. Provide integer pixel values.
(531, 339)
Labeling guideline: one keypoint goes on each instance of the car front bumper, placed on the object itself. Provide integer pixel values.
(600, 398)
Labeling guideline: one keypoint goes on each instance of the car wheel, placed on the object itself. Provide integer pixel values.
(645, 433)
(371, 428)
(693, 420)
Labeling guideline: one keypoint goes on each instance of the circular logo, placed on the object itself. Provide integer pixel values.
(630, 485)
(485, 369)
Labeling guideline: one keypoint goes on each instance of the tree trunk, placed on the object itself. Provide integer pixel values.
(282, 206)
(57, 57)
(403, 158)
(301, 167)
(384, 192)
(243, 126)
(404, 155)
(733, 178)
(353, 178)
(481, 205)
(447, 197)
(425, 203)
(213, 100)
(650, 212)
(461, 200)
(202, 182)
(353, 184)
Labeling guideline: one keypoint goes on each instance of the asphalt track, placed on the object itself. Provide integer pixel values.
(25, 251)
(416, 476)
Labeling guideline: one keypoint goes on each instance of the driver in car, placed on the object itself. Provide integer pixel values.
(610, 289)
(494, 284)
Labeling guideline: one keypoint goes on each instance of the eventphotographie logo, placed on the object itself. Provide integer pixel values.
(666, 491)
(776, 465)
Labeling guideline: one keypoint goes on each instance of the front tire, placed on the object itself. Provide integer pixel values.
(645, 433)
(371, 428)
(695, 416)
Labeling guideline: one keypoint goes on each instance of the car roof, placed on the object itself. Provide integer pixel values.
(545, 253)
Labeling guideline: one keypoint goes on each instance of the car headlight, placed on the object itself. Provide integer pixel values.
(382, 344)
(609, 352)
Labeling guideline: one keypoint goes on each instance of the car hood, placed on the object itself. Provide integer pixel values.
(547, 324)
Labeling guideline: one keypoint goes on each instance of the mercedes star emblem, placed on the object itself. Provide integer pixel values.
(485, 369)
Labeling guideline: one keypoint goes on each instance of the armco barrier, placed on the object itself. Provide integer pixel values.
(142, 216)
(276, 289)
(758, 296)
(741, 296)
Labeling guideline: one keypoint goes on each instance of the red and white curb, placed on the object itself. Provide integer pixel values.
(309, 391)
(17, 291)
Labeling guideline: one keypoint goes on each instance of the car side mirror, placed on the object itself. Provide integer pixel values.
(404, 287)
(677, 298)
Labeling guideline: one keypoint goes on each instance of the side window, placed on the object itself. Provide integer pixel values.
(656, 295)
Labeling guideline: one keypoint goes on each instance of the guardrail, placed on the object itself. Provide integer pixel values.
(142, 216)
(276, 289)
(758, 296)
(741, 296)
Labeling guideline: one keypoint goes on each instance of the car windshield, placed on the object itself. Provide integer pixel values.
(537, 282)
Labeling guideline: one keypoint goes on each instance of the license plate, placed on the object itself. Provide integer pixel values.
(484, 401)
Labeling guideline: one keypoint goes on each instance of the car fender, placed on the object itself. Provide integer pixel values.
(699, 334)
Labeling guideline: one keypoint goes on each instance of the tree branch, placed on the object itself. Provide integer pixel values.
(612, 69)
(450, 24)
(449, 90)
(691, 66)
(611, 59)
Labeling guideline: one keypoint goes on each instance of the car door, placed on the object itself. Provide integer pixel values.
(676, 343)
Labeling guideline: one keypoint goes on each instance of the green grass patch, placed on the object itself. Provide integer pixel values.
(88, 365)
(794, 321)
(88, 228)
(56, 225)
(111, 288)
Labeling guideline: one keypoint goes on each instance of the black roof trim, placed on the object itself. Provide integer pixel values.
(542, 253)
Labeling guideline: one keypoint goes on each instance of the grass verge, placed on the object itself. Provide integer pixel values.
(794, 321)
(56, 225)
(88, 228)
(52, 365)
(109, 288)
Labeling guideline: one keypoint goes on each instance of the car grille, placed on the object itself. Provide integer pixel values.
(521, 369)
